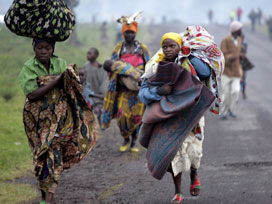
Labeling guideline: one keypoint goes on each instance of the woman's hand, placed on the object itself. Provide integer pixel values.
(41, 91)
(59, 78)
(164, 90)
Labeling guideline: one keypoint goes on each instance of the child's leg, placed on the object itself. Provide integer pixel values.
(177, 182)
(49, 197)
(43, 195)
(193, 173)
(195, 183)
(178, 198)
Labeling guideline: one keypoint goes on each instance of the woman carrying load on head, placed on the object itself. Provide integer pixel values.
(126, 67)
(173, 122)
(60, 127)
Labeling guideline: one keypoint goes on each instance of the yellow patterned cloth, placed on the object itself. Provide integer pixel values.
(120, 102)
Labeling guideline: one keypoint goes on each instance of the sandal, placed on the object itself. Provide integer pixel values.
(125, 145)
(178, 198)
(134, 149)
(195, 187)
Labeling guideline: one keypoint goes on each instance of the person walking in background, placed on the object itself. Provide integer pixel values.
(246, 65)
(269, 26)
(244, 68)
(253, 18)
(259, 15)
(104, 34)
(166, 80)
(98, 79)
(232, 15)
(210, 16)
(54, 114)
(126, 67)
(239, 13)
(164, 20)
(230, 80)
(118, 33)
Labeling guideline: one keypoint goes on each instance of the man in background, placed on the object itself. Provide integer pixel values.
(230, 80)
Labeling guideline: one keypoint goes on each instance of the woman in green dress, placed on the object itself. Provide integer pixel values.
(60, 127)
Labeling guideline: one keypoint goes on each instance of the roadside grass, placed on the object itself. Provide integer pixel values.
(16, 193)
(15, 154)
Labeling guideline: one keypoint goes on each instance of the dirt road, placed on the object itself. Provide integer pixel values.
(237, 163)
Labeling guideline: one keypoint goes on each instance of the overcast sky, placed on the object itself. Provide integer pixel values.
(188, 11)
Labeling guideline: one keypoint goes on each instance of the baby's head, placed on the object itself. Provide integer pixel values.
(171, 44)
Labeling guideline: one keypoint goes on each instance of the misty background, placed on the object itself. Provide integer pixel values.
(189, 12)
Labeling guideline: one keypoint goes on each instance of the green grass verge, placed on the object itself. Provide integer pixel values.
(16, 193)
(15, 155)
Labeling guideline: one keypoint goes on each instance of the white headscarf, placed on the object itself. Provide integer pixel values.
(235, 26)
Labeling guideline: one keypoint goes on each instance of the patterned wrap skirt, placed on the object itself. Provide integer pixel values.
(60, 127)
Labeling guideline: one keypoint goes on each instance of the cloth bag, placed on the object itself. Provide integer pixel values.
(246, 64)
(47, 19)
